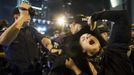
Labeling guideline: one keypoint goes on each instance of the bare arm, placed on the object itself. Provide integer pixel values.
(121, 29)
(48, 44)
(11, 33)
(71, 65)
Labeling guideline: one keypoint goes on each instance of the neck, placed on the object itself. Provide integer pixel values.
(94, 53)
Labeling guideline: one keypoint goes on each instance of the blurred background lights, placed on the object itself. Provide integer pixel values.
(42, 30)
(39, 20)
(34, 20)
(43, 21)
(61, 20)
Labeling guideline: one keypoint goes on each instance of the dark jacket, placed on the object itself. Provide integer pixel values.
(115, 61)
(114, 58)
(24, 50)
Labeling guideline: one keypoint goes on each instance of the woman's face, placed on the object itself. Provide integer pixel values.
(90, 44)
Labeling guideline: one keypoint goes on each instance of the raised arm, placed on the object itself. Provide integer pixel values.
(10, 34)
(121, 28)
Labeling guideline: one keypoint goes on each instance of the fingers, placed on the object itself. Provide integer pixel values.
(24, 5)
(93, 25)
(24, 13)
(59, 51)
(69, 61)
(89, 20)
(23, 8)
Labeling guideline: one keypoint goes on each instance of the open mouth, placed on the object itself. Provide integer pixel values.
(91, 42)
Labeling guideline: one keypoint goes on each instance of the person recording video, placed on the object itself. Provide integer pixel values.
(20, 42)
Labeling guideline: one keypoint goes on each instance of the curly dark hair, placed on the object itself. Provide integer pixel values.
(3, 23)
(15, 11)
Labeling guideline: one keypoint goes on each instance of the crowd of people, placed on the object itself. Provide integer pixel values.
(101, 44)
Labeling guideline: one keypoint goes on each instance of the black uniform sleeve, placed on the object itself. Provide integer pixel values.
(116, 60)
(83, 73)
(121, 28)
(1, 48)
(36, 35)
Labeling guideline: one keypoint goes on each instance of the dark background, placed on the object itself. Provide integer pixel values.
(57, 6)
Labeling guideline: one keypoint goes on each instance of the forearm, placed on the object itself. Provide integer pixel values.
(121, 29)
(109, 15)
(53, 50)
(72, 66)
(11, 33)
(76, 70)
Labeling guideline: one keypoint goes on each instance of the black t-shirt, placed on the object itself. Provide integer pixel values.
(1, 49)
(23, 50)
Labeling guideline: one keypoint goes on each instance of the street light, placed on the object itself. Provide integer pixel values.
(61, 20)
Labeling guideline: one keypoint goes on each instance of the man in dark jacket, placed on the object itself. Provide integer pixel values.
(20, 43)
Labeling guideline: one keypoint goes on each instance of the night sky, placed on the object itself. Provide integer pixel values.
(6, 7)
(86, 7)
